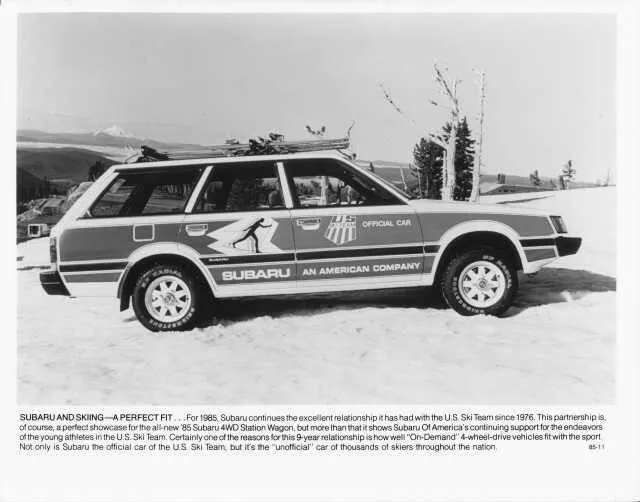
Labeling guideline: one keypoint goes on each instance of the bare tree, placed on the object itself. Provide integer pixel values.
(477, 166)
(449, 172)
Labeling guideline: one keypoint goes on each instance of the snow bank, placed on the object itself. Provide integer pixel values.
(556, 346)
(33, 253)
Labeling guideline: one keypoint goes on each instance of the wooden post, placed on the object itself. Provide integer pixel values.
(477, 165)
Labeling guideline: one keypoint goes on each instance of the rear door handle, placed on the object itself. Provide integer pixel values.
(196, 229)
(308, 223)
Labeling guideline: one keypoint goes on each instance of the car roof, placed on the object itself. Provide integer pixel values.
(233, 160)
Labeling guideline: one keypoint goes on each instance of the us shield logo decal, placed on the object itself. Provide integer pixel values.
(341, 229)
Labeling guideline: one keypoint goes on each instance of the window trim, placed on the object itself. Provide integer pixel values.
(212, 172)
(284, 184)
(87, 213)
(296, 200)
(195, 195)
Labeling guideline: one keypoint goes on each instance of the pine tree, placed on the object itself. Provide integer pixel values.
(428, 157)
(96, 170)
(568, 172)
(534, 177)
(566, 175)
(463, 163)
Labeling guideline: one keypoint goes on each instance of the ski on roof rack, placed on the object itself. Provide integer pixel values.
(258, 146)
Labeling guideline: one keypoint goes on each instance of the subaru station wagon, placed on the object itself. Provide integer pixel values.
(171, 237)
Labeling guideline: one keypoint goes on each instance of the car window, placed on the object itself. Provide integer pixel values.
(241, 187)
(146, 193)
(329, 183)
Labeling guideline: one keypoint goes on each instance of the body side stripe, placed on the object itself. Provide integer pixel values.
(352, 258)
(114, 265)
(347, 253)
(256, 258)
(111, 277)
(538, 242)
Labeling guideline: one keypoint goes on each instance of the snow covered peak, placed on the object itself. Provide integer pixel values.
(113, 131)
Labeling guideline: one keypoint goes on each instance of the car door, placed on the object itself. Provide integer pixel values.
(241, 229)
(348, 229)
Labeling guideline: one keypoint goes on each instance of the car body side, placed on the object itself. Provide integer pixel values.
(102, 256)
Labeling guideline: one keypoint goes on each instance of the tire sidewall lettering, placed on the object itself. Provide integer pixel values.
(453, 295)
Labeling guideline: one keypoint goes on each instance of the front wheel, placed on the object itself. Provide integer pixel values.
(479, 282)
(165, 298)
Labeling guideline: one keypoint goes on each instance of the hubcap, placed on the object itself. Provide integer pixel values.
(168, 298)
(482, 284)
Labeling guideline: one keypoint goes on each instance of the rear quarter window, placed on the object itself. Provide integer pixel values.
(146, 193)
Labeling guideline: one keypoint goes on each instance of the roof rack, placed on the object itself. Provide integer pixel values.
(258, 146)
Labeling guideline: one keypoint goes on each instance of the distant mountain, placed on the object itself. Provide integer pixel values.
(58, 163)
(111, 136)
(115, 131)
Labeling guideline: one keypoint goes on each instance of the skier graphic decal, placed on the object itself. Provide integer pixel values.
(251, 232)
(246, 236)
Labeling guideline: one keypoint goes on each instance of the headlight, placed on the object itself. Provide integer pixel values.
(558, 224)
(53, 252)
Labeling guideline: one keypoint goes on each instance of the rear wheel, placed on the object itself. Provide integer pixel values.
(479, 282)
(166, 298)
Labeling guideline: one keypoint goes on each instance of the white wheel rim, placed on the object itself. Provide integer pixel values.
(482, 284)
(167, 299)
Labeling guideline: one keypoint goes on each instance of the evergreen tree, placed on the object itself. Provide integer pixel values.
(96, 170)
(568, 172)
(463, 162)
(562, 182)
(428, 157)
(534, 177)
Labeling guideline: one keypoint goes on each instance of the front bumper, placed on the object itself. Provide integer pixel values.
(52, 283)
(568, 245)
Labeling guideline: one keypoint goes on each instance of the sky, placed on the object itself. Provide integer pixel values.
(203, 78)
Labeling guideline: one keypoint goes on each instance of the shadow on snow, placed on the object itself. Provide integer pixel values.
(558, 285)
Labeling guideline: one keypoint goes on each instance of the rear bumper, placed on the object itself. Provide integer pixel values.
(568, 245)
(52, 283)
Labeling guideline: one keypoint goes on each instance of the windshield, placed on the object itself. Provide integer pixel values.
(391, 186)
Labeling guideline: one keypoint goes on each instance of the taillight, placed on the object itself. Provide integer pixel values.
(53, 252)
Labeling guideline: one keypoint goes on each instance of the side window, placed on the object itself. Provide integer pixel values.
(241, 187)
(329, 183)
(147, 193)
(113, 200)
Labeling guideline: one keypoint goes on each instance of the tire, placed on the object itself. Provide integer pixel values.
(167, 298)
(478, 282)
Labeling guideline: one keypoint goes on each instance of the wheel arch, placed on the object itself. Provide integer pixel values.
(168, 253)
(475, 234)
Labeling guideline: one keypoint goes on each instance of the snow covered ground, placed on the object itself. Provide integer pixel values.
(556, 346)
